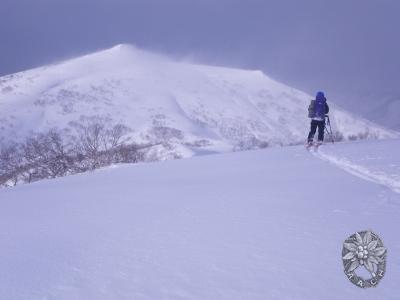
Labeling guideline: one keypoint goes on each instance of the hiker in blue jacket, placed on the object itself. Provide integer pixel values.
(317, 111)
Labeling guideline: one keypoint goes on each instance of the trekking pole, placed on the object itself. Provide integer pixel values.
(330, 128)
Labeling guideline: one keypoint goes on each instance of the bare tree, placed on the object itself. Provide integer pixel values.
(97, 145)
(10, 164)
(54, 154)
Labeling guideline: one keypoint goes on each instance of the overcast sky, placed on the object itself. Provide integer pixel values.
(344, 47)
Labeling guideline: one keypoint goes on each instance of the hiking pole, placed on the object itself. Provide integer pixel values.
(327, 131)
(330, 128)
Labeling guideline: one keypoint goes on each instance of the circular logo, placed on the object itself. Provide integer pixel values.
(364, 249)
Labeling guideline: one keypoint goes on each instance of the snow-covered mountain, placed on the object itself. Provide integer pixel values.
(381, 107)
(195, 107)
(267, 224)
(386, 112)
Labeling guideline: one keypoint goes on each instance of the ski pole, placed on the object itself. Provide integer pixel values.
(327, 131)
(330, 127)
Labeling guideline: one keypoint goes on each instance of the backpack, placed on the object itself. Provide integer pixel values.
(315, 110)
(311, 109)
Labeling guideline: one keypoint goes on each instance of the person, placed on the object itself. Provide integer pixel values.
(317, 111)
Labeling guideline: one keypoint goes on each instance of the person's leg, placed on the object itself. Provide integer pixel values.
(313, 129)
(321, 131)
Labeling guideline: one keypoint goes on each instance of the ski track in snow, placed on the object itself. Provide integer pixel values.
(363, 172)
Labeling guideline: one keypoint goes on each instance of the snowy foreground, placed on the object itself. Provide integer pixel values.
(265, 224)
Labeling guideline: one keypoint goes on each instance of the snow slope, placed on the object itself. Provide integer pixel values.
(266, 224)
(203, 108)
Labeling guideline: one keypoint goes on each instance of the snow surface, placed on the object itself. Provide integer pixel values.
(266, 224)
(212, 108)
(381, 165)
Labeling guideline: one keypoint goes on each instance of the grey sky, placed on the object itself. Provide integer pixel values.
(345, 47)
